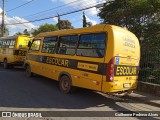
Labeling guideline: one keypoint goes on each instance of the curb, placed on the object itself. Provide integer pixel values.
(144, 101)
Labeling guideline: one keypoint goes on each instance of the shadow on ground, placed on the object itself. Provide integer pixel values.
(39, 92)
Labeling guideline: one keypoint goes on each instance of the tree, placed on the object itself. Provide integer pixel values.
(6, 31)
(89, 24)
(142, 18)
(45, 28)
(18, 33)
(25, 32)
(84, 20)
(151, 37)
(65, 24)
(137, 16)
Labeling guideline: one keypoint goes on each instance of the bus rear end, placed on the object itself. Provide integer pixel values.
(21, 49)
(122, 62)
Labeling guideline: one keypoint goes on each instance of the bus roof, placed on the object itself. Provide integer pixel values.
(96, 28)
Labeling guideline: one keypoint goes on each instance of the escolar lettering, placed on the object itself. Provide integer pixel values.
(125, 70)
(57, 61)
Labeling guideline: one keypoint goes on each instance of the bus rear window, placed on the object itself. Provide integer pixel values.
(92, 45)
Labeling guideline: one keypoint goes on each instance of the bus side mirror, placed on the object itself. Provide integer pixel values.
(29, 44)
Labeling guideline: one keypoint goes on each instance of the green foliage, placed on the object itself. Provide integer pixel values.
(142, 17)
(19, 33)
(152, 37)
(64, 24)
(149, 66)
(139, 16)
(45, 28)
(26, 32)
(6, 31)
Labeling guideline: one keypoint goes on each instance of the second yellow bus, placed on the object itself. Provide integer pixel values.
(13, 50)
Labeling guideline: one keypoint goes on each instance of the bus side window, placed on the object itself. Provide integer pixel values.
(67, 44)
(7, 43)
(92, 45)
(49, 45)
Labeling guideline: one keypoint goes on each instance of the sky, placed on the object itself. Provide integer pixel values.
(38, 9)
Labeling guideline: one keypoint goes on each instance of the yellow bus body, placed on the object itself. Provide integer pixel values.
(122, 47)
(13, 49)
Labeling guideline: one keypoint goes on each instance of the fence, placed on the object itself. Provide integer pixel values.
(150, 67)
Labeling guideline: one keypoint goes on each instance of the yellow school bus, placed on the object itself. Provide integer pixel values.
(13, 50)
(103, 58)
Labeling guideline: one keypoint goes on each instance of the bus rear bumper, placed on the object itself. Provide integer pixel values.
(118, 87)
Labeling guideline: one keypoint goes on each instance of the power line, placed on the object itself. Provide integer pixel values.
(52, 8)
(66, 9)
(55, 16)
(20, 6)
(63, 14)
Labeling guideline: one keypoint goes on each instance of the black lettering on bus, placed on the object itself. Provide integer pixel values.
(125, 70)
(57, 61)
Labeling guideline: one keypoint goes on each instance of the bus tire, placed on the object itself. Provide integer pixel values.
(5, 64)
(28, 71)
(65, 84)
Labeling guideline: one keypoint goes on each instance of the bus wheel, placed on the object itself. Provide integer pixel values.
(65, 84)
(28, 71)
(5, 64)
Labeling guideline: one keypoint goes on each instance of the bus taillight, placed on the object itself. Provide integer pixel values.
(110, 71)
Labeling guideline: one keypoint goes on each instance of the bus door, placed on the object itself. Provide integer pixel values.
(33, 57)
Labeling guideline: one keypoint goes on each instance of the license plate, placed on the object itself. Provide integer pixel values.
(126, 85)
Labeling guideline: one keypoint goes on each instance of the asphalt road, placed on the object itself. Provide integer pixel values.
(17, 92)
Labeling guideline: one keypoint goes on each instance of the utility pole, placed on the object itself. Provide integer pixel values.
(2, 27)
